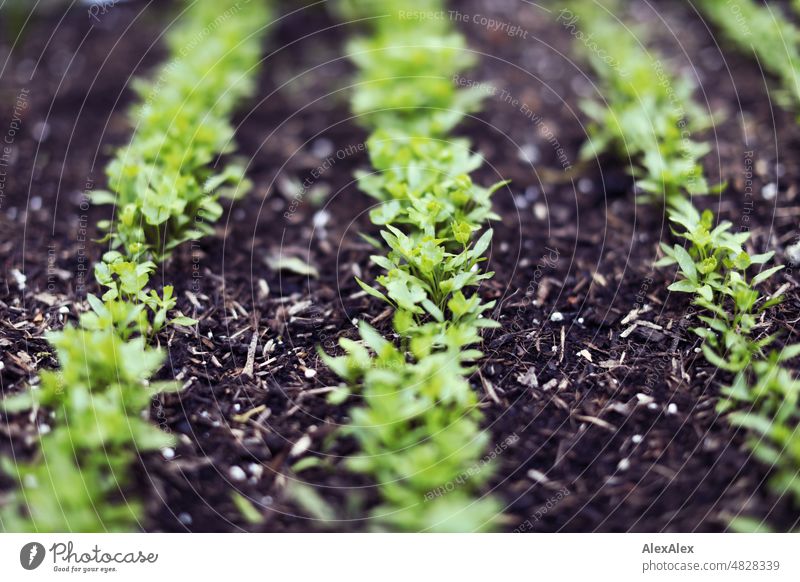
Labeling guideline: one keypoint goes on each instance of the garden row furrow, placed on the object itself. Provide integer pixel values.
(165, 192)
(419, 427)
(648, 117)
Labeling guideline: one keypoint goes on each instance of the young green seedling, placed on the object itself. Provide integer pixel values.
(166, 193)
(419, 428)
(647, 115)
(763, 31)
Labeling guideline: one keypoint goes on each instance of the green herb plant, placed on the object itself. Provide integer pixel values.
(419, 429)
(647, 118)
(165, 194)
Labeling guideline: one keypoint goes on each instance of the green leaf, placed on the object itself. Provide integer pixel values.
(184, 320)
(762, 258)
(372, 241)
(101, 197)
(715, 359)
(764, 275)
(383, 262)
(685, 262)
(310, 501)
(18, 402)
(306, 463)
(789, 352)
(431, 308)
(482, 244)
(246, 508)
(371, 337)
(372, 291)
(462, 232)
(683, 286)
(403, 321)
(706, 293)
(338, 396)
(742, 261)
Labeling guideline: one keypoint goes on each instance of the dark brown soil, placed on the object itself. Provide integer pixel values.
(622, 419)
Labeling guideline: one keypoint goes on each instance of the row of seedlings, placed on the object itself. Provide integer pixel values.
(648, 116)
(767, 34)
(419, 426)
(165, 192)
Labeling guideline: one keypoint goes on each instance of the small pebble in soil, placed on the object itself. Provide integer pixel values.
(321, 219)
(237, 473)
(585, 185)
(168, 453)
(528, 154)
(310, 373)
(263, 289)
(637, 438)
(256, 470)
(63, 310)
(44, 428)
(185, 518)
(793, 253)
(531, 193)
(769, 191)
(40, 131)
(556, 316)
(624, 464)
(301, 446)
(322, 148)
(672, 408)
(652, 406)
(19, 279)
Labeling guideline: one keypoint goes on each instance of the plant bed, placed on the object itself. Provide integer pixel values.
(612, 430)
